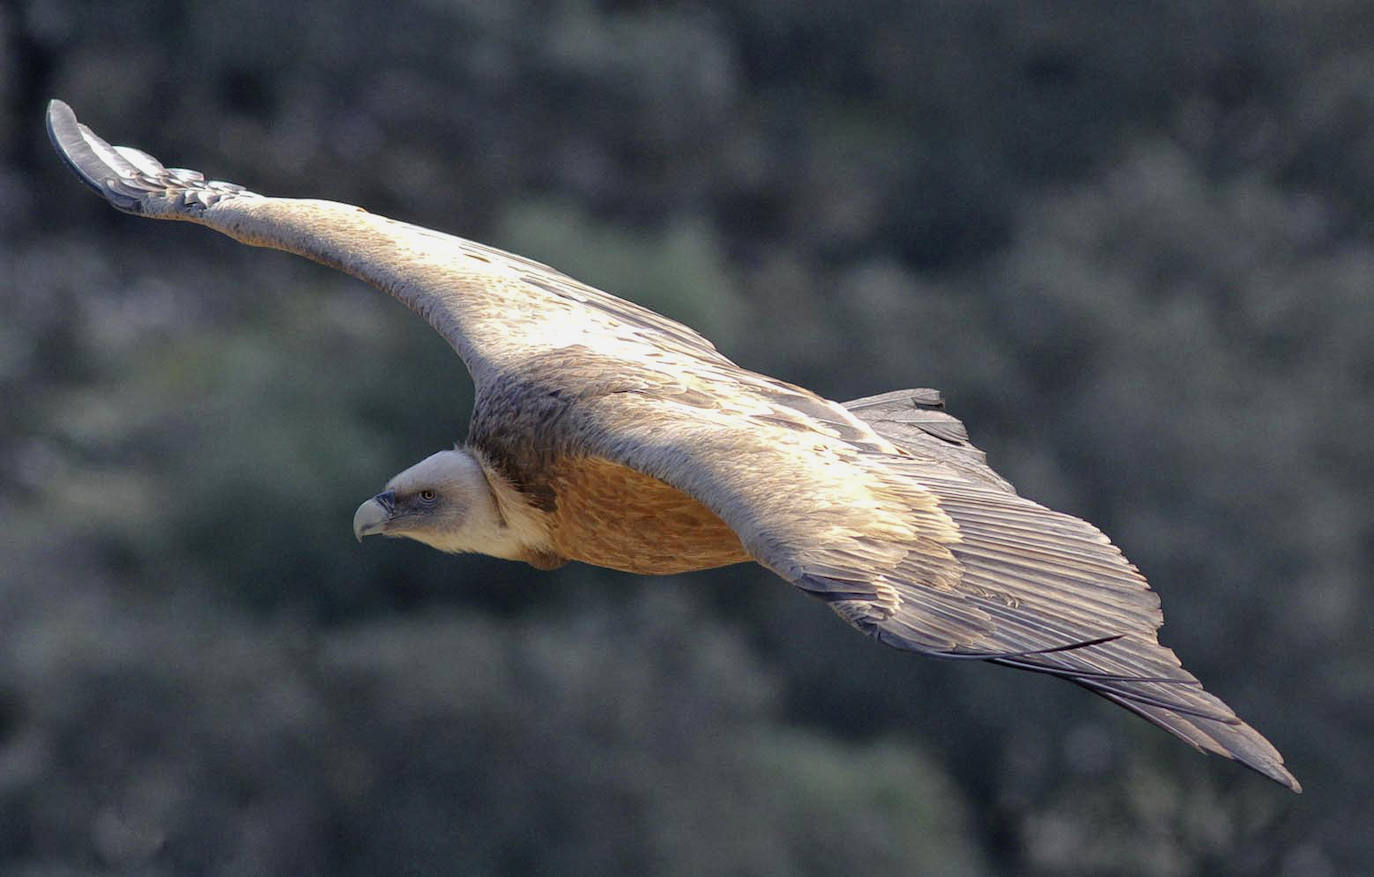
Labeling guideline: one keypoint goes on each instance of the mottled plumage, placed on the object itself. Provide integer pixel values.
(606, 433)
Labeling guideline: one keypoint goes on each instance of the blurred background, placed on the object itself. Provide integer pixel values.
(1132, 243)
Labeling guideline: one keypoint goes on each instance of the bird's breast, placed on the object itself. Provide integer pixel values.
(612, 516)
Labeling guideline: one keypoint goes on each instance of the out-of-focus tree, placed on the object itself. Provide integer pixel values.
(1130, 241)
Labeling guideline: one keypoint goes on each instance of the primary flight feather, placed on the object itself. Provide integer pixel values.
(605, 433)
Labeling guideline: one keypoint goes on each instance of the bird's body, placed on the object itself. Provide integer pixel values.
(605, 433)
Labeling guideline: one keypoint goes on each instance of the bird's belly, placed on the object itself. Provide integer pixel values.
(612, 516)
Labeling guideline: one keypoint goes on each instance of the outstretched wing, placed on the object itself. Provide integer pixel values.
(496, 309)
(921, 552)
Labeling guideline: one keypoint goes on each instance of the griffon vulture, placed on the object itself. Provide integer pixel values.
(605, 433)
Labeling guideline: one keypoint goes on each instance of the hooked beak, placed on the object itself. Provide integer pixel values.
(373, 515)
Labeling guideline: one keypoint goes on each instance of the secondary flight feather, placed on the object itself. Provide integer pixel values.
(605, 433)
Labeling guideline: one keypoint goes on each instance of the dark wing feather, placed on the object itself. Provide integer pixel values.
(916, 421)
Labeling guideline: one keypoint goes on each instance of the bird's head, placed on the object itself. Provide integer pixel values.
(444, 501)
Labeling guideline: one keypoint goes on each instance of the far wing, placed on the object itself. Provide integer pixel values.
(916, 552)
(496, 309)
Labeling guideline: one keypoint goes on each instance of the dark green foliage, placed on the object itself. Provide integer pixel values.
(1131, 241)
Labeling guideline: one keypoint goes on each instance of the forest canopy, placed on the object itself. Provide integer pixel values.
(1131, 242)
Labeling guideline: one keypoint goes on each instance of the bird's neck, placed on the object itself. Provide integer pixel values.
(512, 528)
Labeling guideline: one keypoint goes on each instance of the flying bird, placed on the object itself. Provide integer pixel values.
(605, 433)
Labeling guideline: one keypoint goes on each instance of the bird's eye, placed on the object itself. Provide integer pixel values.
(427, 496)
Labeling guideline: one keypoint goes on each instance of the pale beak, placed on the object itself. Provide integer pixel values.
(373, 515)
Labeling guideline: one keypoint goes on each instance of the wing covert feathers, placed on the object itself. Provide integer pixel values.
(883, 508)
